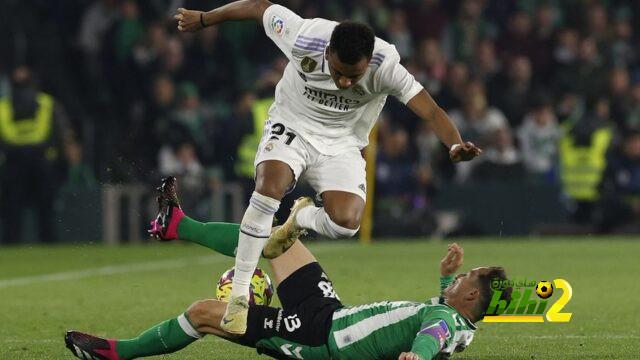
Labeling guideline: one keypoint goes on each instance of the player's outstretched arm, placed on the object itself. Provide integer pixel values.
(423, 105)
(194, 20)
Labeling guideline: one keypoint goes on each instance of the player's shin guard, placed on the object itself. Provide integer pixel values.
(254, 232)
(318, 220)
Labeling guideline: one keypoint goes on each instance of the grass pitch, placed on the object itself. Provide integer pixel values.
(121, 291)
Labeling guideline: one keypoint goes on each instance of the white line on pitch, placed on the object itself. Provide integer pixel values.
(133, 267)
(567, 336)
(112, 270)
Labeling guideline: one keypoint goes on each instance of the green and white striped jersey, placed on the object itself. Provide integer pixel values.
(383, 330)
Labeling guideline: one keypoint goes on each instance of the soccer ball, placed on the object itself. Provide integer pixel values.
(260, 288)
(544, 289)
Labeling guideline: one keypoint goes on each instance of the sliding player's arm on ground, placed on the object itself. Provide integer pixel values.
(450, 264)
(436, 331)
(194, 20)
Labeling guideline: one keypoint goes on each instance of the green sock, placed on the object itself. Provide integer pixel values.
(166, 337)
(221, 237)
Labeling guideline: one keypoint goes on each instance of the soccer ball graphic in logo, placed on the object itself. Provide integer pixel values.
(544, 289)
(260, 289)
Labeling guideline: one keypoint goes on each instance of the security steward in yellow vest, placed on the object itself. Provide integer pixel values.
(29, 142)
(583, 159)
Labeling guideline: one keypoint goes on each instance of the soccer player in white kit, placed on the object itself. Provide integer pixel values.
(328, 100)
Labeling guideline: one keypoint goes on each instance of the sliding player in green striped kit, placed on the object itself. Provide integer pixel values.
(312, 324)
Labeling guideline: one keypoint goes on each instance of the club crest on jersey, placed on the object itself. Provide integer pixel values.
(277, 25)
(358, 90)
(308, 64)
(268, 147)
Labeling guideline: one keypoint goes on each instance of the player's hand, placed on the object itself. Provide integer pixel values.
(409, 356)
(452, 261)
(464, 152)
(189, 20)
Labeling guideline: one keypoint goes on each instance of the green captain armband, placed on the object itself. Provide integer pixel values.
(445, 281)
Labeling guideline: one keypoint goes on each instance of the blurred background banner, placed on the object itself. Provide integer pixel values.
(100, 99)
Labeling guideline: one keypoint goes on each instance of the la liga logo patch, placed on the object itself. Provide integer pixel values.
(277, 25)
(439, 330)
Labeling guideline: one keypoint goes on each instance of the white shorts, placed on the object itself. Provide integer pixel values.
(341, 172)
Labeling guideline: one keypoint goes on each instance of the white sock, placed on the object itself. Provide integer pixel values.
(254, 232)
(316, 219)
(188, 328)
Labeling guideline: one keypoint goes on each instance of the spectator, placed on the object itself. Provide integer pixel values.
(538, 138)
(432, 68)
(211, 65)
(235, 127)
(632, 120)
(32, 125)
(461, 35)
(476, 120)
(182, 162)
(398, 33)
(454, 87)
(486, 65)
(192, 121)
(266, 82)
(427, 19)
(582, 153)
(621, 50)
(79, 175)
(565, 53)
(501, 160)
(399, 204)
(516, 90)
(620, 188)
(96, 21)
(545, 32)
(620, 95)
(128, 31)
(587, 76)
(518, 39)
(372, 12)
(596, 23)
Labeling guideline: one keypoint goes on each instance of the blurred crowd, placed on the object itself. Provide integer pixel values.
(549, 89)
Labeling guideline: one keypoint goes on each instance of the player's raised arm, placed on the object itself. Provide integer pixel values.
(427, 109)
(452, 261)
(194, 20)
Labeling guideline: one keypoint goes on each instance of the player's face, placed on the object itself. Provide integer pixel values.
(345, 75)
(465, 283)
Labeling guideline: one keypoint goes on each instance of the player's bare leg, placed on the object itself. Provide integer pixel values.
(344, 210)
(290, 261)
(273, 178)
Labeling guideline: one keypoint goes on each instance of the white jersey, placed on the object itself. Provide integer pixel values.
(308, 101)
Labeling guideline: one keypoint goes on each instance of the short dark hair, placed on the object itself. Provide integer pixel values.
(352, 41)
(486, 292)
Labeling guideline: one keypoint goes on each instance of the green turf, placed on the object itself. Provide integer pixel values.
(121, 291)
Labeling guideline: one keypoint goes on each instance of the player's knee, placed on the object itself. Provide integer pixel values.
(202, 312)
(271, 188)
(347, 217)
(273, 179)
(271, 191)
